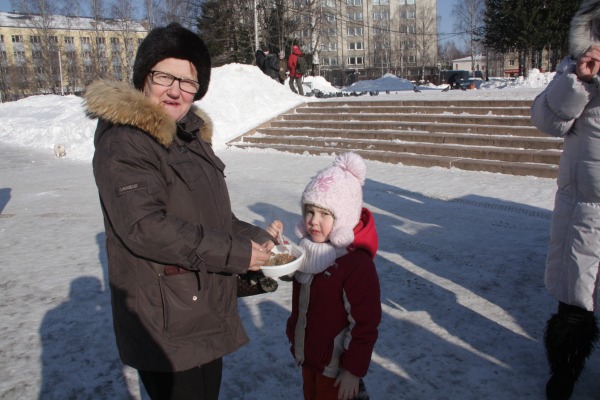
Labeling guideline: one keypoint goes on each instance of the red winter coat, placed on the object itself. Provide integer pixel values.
(293, 61)
(343, 309)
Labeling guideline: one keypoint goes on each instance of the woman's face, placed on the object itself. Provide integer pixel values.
(175, 101)
(318, 222)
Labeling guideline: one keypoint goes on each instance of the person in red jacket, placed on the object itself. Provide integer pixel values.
(336, 307)
(295, 77)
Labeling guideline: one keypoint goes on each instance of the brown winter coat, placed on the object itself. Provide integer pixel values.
(165, 204)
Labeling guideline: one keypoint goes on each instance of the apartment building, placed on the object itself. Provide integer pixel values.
(60, 54)
(362, 39)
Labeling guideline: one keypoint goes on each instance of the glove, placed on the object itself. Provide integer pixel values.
(348, 385)
(253, 283)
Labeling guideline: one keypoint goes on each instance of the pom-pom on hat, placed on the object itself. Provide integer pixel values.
(172, 41)
(339, 190)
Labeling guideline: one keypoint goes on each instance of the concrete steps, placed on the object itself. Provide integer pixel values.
(487, 135)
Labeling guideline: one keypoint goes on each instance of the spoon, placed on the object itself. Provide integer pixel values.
(281, 247)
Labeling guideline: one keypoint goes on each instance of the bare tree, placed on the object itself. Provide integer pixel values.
(426, 40)
(163, 12)
(469, 19)
(381, 41)
(123, 42)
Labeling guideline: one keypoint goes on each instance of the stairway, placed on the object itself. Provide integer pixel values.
(476, 135)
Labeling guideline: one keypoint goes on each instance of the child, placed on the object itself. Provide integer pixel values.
(336, 307)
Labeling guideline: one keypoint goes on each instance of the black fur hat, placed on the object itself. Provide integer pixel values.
(172, 41)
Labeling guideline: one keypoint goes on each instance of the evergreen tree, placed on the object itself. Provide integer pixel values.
(528, 27)
(227, 30)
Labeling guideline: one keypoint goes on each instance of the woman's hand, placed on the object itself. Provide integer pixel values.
(274, 229)
(588, 65)
(348, 384)
(260, 255)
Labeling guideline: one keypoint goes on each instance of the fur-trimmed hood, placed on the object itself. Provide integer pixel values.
(119, 103)
(585, 28)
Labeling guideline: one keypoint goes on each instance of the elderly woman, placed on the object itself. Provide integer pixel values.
(174, 246)
(569, 107)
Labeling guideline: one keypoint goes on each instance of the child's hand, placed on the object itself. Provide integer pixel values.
(274, 229)
(348, 384)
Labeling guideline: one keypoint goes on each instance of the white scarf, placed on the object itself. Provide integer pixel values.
(317, 258)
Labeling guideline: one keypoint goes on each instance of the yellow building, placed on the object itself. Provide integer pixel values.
(59, 54)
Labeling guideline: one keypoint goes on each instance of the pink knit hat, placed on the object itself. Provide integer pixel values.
(339, 190)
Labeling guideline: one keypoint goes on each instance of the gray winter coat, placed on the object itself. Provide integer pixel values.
(173, 244)
(570, 108)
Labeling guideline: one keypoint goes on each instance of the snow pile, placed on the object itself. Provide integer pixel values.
(319, 83)
(240, 93)
(387, 82)
(535, 79)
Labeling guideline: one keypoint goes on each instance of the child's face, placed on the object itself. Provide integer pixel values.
(318, 222)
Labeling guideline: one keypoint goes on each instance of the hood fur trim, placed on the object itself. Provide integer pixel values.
(585, 28)
(119, 103)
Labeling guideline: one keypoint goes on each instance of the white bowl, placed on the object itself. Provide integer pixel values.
(276, 271)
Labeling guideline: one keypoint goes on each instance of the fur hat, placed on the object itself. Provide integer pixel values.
(172, 41)
(585, 28)
(339, 190)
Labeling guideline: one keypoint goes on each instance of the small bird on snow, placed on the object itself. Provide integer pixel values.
(446, 89)
(415, 89)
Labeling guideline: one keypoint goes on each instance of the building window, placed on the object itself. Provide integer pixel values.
(329, 3)
(511, 63)
(355, 46)
(69, 39)
(411, 14)
(358, 16)
(381, 45)
(381, 2)
(330, 17)
(1, 38)
(355, 31)
(354, 2)
(53, 39)
(355, 61)
(17, 38)
(36, 54)
(85, 40)
(329, 47)
(380, 15)
(411, 29)
(380, 31)
(19, 55)
(35, 39)
(100, 40)
(3, 55)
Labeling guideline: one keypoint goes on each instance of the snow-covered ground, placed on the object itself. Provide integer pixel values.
(461, 260)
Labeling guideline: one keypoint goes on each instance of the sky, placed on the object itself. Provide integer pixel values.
(460, 260)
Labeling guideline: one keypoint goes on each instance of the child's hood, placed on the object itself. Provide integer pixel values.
(365, 234)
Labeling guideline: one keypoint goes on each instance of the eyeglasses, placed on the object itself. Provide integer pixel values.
(164, 79)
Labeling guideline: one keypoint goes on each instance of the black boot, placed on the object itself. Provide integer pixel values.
(570, 338)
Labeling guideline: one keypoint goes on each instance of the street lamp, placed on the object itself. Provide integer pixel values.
(62, 91)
